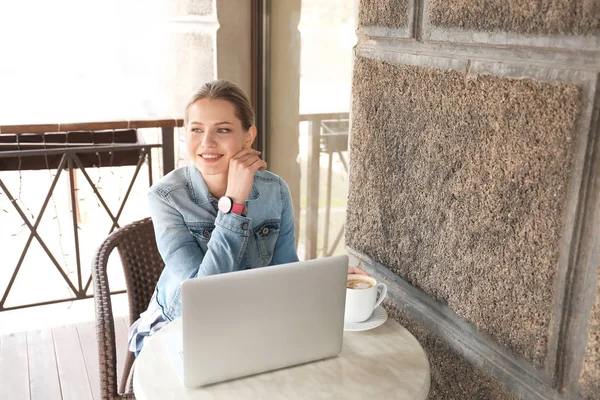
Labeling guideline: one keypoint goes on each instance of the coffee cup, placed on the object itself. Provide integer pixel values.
(361, 297)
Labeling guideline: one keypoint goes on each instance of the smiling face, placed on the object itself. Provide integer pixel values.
(214, 135)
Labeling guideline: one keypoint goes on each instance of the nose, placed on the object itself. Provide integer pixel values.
(208, 140)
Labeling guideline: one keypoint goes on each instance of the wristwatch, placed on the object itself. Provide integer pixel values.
(226, 205)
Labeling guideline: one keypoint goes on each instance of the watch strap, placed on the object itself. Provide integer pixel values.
(237, 208)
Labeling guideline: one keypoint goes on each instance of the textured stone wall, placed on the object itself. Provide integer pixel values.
(565, 17)
(452, 377)
(387, 13)
(474, 176)
(590, 376)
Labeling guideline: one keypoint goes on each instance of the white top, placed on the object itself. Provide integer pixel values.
(385, 362)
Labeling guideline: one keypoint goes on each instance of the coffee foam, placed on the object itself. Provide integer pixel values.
(354, 283)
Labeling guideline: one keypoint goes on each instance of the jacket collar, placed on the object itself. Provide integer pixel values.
(199, 191)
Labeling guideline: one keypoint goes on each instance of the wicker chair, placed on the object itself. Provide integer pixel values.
(142, 265)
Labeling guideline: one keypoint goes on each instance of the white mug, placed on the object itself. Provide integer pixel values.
(360, 303)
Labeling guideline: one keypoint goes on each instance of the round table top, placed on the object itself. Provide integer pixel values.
(385, 362)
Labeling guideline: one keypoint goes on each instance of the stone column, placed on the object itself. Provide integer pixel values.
(284, 97)
(198, 40)
(233, 43)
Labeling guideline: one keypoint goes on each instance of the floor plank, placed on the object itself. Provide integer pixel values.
(55, 364)
(74, 381)
(89, 346)
(14, 370)
(43, 371)
(121, 329)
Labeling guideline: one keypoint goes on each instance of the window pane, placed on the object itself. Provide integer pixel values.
(327, 34)
(81, 60)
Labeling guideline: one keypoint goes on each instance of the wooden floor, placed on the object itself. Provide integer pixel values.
(56, 363)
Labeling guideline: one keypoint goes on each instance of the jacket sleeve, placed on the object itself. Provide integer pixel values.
(285, 246)
(183, 256)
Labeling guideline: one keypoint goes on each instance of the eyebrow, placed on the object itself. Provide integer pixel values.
(218, 123)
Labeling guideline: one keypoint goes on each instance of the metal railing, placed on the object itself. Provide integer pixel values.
(327, 134)
(67, 147)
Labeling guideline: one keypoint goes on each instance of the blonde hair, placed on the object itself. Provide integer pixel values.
(224, 90)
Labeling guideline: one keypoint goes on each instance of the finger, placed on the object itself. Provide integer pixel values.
(243, 159)
(245, 152)
(250, 161)
(357, 270)
(258, 165)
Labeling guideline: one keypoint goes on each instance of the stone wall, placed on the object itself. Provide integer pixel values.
(453, 375)
(388, 13)
(571, 17)
(475, 180)
(590, 383)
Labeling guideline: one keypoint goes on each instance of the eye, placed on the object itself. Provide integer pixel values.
(223, 130)
(197, 130)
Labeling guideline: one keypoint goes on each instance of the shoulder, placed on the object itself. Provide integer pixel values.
(273, 187)
(268, 180)
(267, 177)
(174, 180)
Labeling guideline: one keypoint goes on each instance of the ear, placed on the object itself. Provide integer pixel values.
(250, 136)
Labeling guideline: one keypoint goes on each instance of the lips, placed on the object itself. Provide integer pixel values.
(210, 156)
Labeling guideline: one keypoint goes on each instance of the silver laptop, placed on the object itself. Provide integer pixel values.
(257, 320)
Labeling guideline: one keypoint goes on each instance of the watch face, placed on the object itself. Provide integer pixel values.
(225, 204)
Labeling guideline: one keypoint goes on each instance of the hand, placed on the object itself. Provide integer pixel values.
(240, 178)
(357, 270)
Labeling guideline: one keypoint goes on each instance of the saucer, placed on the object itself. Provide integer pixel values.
(378, 317)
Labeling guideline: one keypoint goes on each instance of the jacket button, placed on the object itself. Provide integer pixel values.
(265, 230)
(244, 225)
(206, 233)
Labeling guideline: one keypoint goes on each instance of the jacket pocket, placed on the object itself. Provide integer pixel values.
(202, 231)
(266, 235)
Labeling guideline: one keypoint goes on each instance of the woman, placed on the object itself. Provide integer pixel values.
(224, 212)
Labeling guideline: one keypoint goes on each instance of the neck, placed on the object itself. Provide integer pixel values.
(217, 184)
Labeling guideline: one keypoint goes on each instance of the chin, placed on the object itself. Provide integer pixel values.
(207, 170)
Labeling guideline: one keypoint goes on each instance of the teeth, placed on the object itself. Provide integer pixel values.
(210, 156)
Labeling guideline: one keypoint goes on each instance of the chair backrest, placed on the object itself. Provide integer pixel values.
(142, 266)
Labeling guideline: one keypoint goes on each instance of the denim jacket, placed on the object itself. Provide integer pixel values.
(195, 239)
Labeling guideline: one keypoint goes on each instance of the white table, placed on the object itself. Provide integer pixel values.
(382, 363)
